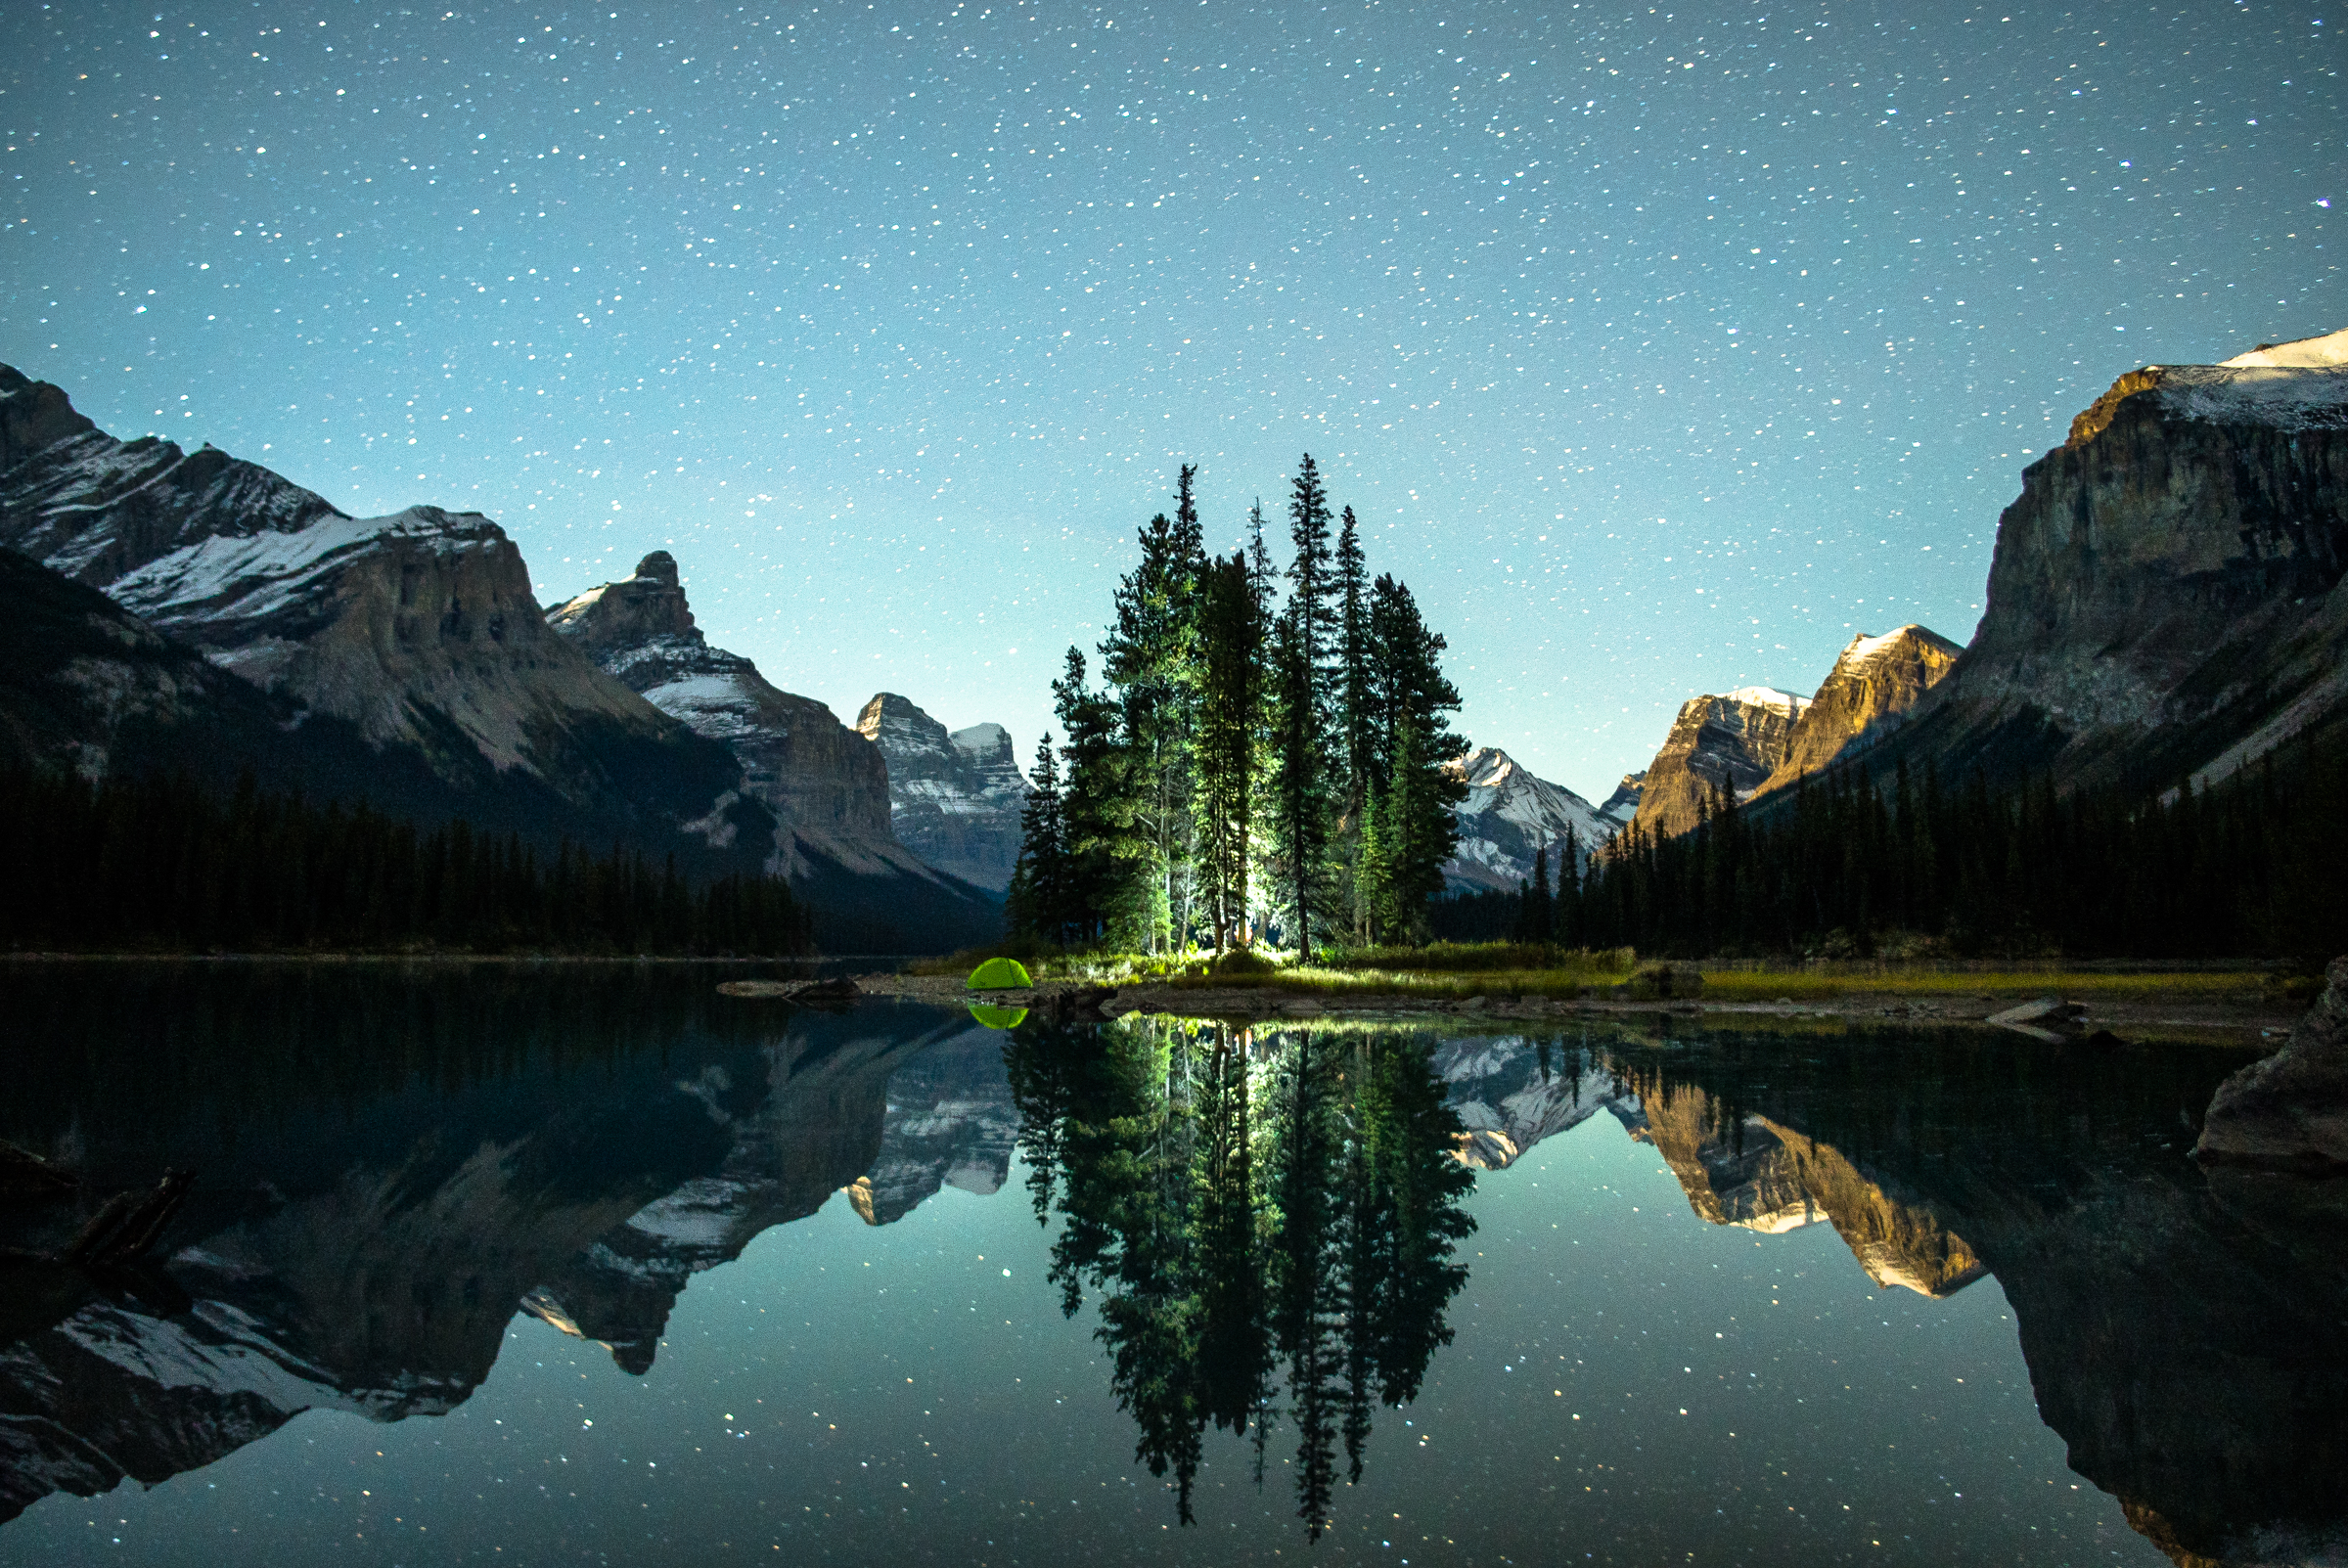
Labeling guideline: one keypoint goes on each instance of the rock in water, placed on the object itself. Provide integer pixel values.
(1873, 684)
(1731, 741)
(954, 798)
(2289, 1112)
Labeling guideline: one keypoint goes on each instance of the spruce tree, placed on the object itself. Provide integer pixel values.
(1036, 902)
(1223, 743)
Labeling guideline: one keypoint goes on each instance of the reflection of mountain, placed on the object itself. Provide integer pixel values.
(1510, 1092)
(368, 1218)
(2189, 1350)
(1753, 1173)
(951, 1122)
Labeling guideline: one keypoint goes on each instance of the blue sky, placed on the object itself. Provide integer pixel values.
(1661, 350)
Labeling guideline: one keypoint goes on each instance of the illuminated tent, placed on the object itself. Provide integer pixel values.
(1000, 974)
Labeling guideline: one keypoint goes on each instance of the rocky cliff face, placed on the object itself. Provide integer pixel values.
(828, 789)
(416, 629)
(1509, 816)
(954, 798)
(824, 786)
(1875, 681)
(1733, 741)
(1623, 804)
(2164, 599)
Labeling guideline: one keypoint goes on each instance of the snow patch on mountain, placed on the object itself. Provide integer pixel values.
(1509, 817)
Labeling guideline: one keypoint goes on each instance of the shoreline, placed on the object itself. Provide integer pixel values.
(2251, 1024)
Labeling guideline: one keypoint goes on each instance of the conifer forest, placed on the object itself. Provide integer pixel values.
(1261, 756)
(159, 865)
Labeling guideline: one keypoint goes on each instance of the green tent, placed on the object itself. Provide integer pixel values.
(1000, 974)
(995, 1017)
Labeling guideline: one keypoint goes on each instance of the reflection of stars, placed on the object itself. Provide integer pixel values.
(869, 315)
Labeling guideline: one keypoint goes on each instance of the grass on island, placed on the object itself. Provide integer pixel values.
(1445, 970)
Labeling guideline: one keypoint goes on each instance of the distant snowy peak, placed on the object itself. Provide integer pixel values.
(955, 797)
(1867, 696)
(1770, 697)
(985, 741)
(1509, 817)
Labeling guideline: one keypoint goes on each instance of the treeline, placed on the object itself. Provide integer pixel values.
(159, 864)
(2254, 866)
(1265, 751)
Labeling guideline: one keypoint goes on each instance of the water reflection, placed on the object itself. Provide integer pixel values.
(1266, 1228)
(1257, 1216)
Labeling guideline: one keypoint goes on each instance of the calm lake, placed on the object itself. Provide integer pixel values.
(590, 1265)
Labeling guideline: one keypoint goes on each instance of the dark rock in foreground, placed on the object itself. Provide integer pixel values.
(2291, 1111)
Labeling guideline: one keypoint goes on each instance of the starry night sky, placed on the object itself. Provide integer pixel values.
(1661, 350)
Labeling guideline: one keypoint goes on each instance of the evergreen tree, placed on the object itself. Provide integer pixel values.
(1146, 658)
(1356, 710)
(1414, 742)
(1108, 855)
(1299, 784)
(1224, 745)
(1037, 901)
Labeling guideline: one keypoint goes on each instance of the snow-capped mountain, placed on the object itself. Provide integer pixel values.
(1873, 684)
(2164, 600)
(1734, 741)
(1508, 816)
(953, 798)
(419, 630)
(828, 789)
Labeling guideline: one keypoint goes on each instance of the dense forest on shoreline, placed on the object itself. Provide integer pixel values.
(1854, 865)
(160, 865)
(1257, 758)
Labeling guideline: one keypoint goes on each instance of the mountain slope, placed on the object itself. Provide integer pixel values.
(418, 630)
(828, 789)
(1875, 682)
(1508, 816)
(2165, 597)
(953, 798)
(1731, 741)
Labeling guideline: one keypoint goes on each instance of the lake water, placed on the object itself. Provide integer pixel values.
(590, 1265)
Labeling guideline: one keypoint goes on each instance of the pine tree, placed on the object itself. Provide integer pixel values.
(1223, 743)
(1299, 792)
(1037, 901)
(1146, 659)
(1356, 713)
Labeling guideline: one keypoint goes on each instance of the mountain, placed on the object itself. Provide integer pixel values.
(828, 789)
(1510, 815)
(1735, 740)
(417, 632)
(2164, 599)
(953, 798)
(1623, 804)
(1875, 682)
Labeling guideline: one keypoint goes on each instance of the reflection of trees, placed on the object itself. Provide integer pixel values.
(1244, 1209)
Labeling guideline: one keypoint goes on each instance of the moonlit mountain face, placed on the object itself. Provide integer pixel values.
(1662, 351)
